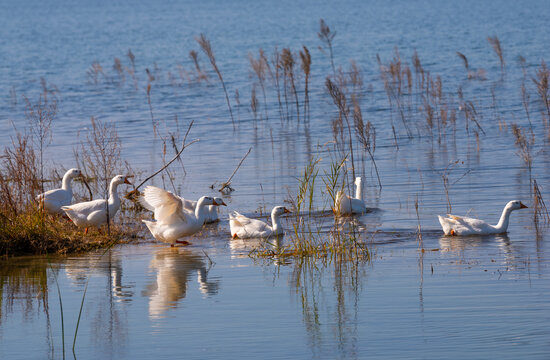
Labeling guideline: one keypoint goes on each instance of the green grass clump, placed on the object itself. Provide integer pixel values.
(307, 239)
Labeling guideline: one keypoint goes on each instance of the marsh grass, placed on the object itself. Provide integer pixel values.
(542, 83)
(305, 56)
(339, 99)
(540, 211)
(307, 238)
(495, 43)
(260, 67)
(525, 144)
(207, 49)
(327, 36)
(288, 64)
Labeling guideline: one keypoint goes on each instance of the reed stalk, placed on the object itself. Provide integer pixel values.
(339, 99)
(327, 36)
(207, 49)
(495, 43)
(306, 67)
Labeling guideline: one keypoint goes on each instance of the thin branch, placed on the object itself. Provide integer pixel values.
(228, 182)
(167, 164)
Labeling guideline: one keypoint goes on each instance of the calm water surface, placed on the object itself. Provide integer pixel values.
(479, 297)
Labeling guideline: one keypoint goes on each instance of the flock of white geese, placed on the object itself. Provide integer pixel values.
(176, 217)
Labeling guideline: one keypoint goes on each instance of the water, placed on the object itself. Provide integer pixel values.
(479, 297)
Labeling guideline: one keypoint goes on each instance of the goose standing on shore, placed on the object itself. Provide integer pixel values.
(346, 205)
(243, 227)
(52, 200)
(461, 226)
(94, 213)
(173, 220)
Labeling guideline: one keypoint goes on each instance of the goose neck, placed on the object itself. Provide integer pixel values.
(275, 221)
(504, 219)
(201, 210)
(66, 182)
(113, 194)
(358, 190)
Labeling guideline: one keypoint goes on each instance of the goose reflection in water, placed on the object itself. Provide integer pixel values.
(108, 265)
(174, 267)
(242, 247)
(467, 243)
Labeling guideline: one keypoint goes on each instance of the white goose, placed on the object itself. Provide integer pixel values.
(243, 227)
(173, 220)
(347, 205)
(460, 226)
(211, 210)
(94, 213)
(52, 200)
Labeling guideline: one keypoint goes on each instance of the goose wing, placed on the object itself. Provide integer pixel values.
(168, 207)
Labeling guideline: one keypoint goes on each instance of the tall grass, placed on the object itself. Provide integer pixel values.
(495, 43)
(524, 143)
(207, 49)
(308, 240)
(327, 36)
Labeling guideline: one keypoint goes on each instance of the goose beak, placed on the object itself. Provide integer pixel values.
(219, 203)
(286, 211)
(522, 206)
(126, 181)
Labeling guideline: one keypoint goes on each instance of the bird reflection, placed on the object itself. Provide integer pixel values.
(463, 243)
(108, 265)
(242, 247)
(174, 267)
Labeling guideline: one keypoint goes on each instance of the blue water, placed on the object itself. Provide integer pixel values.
(476, 297)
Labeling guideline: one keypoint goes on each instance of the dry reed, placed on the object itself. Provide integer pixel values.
(327, 36)
(207, 49)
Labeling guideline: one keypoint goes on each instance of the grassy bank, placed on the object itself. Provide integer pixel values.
(32, 233)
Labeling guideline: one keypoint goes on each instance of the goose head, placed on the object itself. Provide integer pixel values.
(74, 173)
(120, 179)
(219, 202)
(206, 200)
(279, 210)
(515, 205)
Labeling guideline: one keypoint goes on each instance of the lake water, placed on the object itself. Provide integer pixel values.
(476, 297)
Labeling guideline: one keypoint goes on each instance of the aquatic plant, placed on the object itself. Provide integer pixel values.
(495, 43)
(260, 67)
(94, 72)
(276, 64)
(326, 36)
(200, 74)
(366, 135)
(306, 68)
(339, 99)
(308, 240)
(540, 211)
(542, 83)
(207, 49)
(525, 145)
